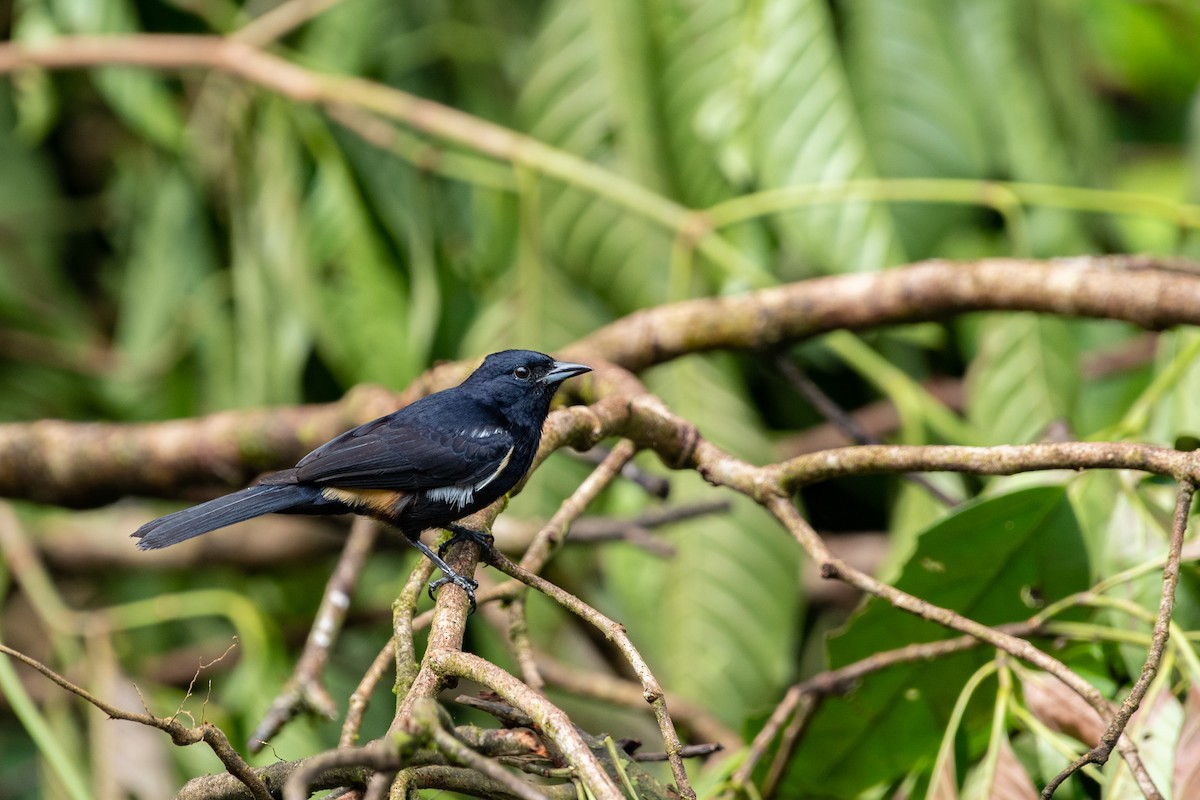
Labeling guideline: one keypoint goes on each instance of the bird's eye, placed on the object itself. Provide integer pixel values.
(521, 373)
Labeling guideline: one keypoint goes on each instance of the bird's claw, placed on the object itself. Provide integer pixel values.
(461, 534)
(468, 585)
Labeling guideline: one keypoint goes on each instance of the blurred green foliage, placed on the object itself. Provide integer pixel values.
(174, 244)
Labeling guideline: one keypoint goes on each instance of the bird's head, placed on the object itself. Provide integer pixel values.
(522, 379)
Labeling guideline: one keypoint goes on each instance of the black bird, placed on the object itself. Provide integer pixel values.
(425, 466)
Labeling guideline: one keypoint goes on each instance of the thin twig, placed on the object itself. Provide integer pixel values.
(280, 20)
(833, 413)
(360, 698)
(180, 734)
(688, 751)
(467, 782)
(304, 691)
(403, 611)
(657, 485)
(792, 734)
(635, 530)
(376, 756)
(1099, 754)
(651, 690)
(618, 691)
(460, 753)
(380, 784)
(548, 539)
(550, 720)
(832, 567)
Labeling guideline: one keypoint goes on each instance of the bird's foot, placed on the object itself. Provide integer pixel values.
(468, 585)
(461, 534)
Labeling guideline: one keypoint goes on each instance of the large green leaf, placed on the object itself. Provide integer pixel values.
(804, 129)
(169, 265)
(139, 97)
(705, 97)
(569, 100)
(916, 107)
(1010, 93)
(704, 81)
(389, 269)
(718, 622)
(985, 561)
(1126, 520)
(1176, 412)
(269, 261)
(1024, 379)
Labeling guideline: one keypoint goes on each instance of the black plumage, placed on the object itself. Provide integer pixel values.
(427, 465)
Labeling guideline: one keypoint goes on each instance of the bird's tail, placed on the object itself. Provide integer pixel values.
(237, 507)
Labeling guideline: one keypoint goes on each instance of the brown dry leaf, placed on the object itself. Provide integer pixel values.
(943, 784)
(1186, 779)
(1060, 709)
(1012, 781)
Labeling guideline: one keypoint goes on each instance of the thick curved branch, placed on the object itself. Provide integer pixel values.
(1119, 288)
(78, 464)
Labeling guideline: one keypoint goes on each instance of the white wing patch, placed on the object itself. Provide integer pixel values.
(461, 496)
(457, 496)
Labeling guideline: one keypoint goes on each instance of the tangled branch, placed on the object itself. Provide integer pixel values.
(421, 750)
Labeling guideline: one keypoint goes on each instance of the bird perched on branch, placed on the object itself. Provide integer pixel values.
(425, 466)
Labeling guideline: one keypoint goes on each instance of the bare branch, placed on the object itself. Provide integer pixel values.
(1000, 460)
(1158, 645)
(553, 723)
(304, 690)
(1117, 287)
(651, 691)
(180, 734)
(72, 464)
(824, 405)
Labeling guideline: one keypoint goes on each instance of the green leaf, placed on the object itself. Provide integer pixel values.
(1126, 521)
(804, 129)
(1011, 94)
(569, 100)
(138, 96)
(718, 622)
(706, 97)
(169, 263)
(1176, 412)
(270, 254)
(1024, 379)
(988, 561)
(916, 107)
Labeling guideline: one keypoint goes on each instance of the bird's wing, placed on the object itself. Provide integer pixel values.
(408, 455)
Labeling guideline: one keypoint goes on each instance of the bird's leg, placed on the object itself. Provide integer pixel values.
(481, 538)
(449, 575)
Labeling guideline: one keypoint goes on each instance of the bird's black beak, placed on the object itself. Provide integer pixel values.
(563, 370)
